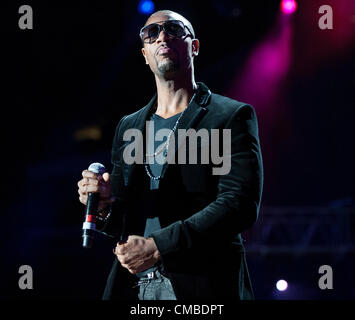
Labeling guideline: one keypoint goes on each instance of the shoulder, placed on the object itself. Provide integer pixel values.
(128, 121)
(228, 106)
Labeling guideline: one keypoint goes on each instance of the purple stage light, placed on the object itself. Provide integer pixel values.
(288, 6)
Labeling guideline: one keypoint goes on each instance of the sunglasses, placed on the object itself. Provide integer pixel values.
(174, 28)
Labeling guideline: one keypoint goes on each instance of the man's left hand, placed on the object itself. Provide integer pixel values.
(137, 254)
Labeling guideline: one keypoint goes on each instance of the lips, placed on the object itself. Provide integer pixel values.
(164, 50)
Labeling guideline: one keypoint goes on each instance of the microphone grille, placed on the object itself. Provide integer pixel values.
(97, 168)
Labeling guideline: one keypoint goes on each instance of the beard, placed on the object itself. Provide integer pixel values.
(167, 66)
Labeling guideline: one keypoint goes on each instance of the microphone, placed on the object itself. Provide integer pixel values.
(89, 226)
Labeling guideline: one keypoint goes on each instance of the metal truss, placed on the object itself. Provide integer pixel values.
(296, 230)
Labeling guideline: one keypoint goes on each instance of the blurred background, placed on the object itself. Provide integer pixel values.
(69, 80)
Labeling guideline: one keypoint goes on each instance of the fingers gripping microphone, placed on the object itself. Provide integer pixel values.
(89, 226)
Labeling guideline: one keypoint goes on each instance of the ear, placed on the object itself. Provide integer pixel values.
(195, 47)
(143, 52)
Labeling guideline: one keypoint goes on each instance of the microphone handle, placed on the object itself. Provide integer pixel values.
(89, 225)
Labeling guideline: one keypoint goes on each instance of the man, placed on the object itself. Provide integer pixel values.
(183, 221)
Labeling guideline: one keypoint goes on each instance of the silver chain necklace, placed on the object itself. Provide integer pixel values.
(164, 148)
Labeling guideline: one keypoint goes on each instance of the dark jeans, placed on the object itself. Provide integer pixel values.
(157, 287)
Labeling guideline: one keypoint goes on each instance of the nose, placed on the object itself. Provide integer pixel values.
(163, 36)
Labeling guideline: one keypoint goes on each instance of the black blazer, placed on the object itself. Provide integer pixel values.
(199, 242)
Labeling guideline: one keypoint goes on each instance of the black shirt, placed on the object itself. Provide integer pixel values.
(155, 164)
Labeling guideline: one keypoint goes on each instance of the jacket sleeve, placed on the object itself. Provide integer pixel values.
(236, 206)
(114, 224)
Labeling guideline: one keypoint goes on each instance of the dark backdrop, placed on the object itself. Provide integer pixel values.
(68, 82)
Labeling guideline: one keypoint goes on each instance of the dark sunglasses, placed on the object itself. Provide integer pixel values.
(174, 28)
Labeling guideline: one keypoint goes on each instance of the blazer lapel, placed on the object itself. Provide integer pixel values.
(139, 124)
(191, 117)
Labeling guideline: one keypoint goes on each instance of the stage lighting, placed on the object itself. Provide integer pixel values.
(281, 285)
(288, 6)
(146, 6)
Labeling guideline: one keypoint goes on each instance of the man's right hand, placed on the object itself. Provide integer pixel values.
(91, 182)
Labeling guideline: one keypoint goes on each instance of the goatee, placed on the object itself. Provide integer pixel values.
(167, 67)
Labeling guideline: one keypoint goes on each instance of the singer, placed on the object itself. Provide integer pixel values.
(177, 227)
